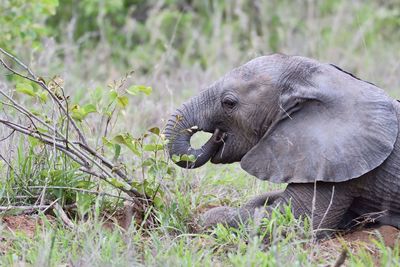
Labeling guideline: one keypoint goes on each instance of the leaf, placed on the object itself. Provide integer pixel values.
(122, 101)
(41, 130)
(117, 151)
(155, 130)
(36, 112)
(175, 158)
(113, 95)
(25, 88)
(148, 162)
(80, 113)
(153, 147)
(106, 142)
(42, 96)
(97, 94)
(77, 113)
(158, 202)
(119, 139)
(127, 140)
(135, 89)
(189, 158)
(89, 108)
(116, 183)
(33, 141)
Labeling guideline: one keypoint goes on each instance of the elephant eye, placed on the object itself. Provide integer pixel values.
(229, 103)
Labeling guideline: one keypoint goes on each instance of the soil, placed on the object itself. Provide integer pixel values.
(386, 233)
(23, 223)
(360, 239)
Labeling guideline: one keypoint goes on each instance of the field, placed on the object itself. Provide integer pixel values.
(120, 68)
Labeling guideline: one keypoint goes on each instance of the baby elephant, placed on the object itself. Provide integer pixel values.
(332, 137)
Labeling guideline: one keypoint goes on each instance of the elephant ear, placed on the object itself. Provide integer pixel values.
(332, 127)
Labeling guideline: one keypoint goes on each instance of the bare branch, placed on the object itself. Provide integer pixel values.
(80, 151)
(63, 216)
(19, 62)
(53, 96)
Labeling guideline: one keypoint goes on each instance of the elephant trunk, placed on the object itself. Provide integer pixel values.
(185, 122)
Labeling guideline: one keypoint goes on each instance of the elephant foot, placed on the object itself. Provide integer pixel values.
(255, 209)
(220, 215)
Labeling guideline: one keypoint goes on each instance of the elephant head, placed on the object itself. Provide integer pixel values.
(288, 119)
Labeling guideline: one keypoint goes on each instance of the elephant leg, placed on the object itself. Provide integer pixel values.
(234, 216)
(326, 204)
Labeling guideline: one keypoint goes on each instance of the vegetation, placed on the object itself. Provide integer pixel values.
(120, 68)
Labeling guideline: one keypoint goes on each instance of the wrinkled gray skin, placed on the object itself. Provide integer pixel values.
(329, 135)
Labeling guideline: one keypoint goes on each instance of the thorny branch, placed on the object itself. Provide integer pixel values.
(80, 151)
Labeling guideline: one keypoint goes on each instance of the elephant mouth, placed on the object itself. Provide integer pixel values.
(218, 138)
(218, 156)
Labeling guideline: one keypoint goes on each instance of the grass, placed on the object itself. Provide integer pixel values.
(90, 244)
(182, 54)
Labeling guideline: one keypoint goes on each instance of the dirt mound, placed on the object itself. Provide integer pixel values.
(353, 242)
(388, 234)
(23, 223)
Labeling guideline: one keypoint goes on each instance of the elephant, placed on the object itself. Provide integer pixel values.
(330, 136)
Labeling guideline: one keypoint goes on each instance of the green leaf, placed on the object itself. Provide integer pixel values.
(80, 113)
(158, 202)
(148, 162)
(97, 94)
(122, 101)
(155, 130)
(127, 140)
(184, 157)
(33, 141)
(175, 158)
(89, 108)
(41, 130)
(117, 151)
(106, 142)
(153, 147)
(120, 139)
(135, 89)
(36, 112)
(77, 113)
(116, 183)
(25, 88)
(42, 96)
(189, 158)
(113, 95)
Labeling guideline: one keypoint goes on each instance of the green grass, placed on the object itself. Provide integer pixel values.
(90, 244)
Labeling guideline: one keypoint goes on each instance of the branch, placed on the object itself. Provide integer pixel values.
(79, 151)
(44, 86)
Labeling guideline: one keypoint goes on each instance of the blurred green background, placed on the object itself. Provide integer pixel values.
(180, 46)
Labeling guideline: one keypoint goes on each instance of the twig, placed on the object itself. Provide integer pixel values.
(24, 208)
(53, 96)
(81, 190)
(18, 61)
(76, 157)
(65, 139)
(328, 208)
(5, 138)
(88, 158)
(342, 258)
(63, 216)
(313, 205)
